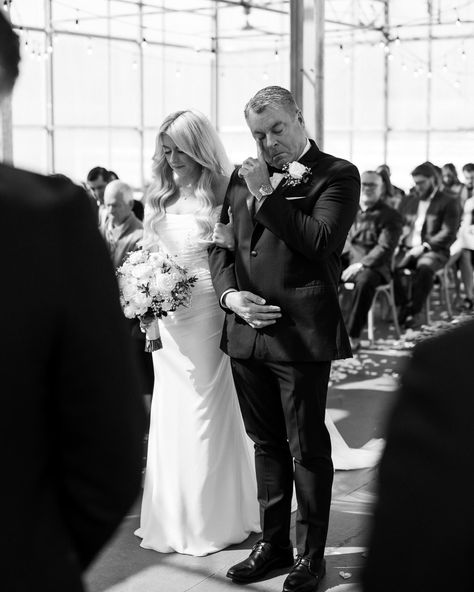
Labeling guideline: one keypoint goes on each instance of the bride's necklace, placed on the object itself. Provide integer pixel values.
(186, 191)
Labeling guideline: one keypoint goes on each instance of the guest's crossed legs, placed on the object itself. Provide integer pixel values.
(283, 405)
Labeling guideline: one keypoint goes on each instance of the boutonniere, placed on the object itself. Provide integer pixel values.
(295, 173)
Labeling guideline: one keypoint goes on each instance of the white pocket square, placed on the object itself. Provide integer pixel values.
(296, 197)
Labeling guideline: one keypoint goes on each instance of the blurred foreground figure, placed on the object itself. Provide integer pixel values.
(71, 423)
(423, 524)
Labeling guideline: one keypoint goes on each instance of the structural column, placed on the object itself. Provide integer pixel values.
(386, 82)
(296, 50)
(319, 19)
(6, 126)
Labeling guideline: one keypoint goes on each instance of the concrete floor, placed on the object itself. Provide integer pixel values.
(359, 399)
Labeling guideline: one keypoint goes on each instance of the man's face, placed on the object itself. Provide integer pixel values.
(281, 134)
(98, 187)
(372, 188)
(448, 177)
(424, 185)
(469, 176)
(117, 208)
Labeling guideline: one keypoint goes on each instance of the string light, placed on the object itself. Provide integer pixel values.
(6, 5)
(445, 68)
(276, 54)
(134, 65)
(77, 18)
(178, 73)
(143, 42)
(265, 76)
(397, 40)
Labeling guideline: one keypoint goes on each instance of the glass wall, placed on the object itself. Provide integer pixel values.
(98, 77)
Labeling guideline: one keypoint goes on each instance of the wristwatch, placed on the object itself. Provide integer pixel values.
(264, 190)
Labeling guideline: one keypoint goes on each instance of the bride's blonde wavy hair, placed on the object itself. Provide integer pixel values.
(194, 135)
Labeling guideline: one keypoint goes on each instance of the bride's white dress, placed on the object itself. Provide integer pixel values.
(200, 491)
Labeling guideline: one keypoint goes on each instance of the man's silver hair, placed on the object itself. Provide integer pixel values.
(271, 96)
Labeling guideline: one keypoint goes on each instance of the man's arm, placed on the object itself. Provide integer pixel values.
(445, 237)
(99, 423)
(317, 235)
(387, 242)
(221, 260)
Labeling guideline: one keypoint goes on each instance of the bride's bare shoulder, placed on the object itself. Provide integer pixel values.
(219, 187)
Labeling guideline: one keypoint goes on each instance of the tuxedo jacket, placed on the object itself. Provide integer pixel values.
(72, 422)
(424, 519)
(290, 257)
(374, 237)
(441, 222)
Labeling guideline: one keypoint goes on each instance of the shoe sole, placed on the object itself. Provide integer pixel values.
(274, 566)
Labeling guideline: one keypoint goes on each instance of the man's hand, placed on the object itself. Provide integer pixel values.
(255, 171)
(252, 309)
(350, 272)
(415, 252)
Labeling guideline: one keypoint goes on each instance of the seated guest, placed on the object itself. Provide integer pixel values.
(393, 194)
(431, 221)
(137, 208)
(369, 250)
(123, 231)
(451, 183)
(462, 251)
(468, 172)
(422, 528)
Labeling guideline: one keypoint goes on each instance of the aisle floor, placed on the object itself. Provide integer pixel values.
(358, 401)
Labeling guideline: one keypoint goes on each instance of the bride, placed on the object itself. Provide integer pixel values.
(200, 489)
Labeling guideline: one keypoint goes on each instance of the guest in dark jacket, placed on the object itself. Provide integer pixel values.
(72, 422)
(369, 250)
(431, 221)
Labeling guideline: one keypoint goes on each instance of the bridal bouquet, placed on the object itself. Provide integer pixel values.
(152, 284)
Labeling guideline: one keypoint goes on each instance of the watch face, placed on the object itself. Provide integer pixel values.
(265, 189)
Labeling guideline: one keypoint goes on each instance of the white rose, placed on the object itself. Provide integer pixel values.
(136, 257)
(296, 170)
(142, 271)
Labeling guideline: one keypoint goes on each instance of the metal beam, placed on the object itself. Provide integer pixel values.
(50, 156)
(429, 82)
(296, 50)
(319, 72)
(6, 125)
(386, 89)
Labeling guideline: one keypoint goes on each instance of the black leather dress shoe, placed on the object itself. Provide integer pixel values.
(305, 575)
(264, 558)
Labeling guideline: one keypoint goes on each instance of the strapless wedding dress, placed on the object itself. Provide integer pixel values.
(200, 491)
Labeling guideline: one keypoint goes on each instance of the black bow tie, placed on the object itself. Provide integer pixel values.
(272, 170)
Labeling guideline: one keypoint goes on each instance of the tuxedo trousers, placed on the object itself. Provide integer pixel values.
(283, 407)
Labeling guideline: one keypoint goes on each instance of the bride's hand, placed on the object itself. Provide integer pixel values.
(223, 236)
(145, 322)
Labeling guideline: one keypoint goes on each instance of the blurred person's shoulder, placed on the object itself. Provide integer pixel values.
(28, 190)
(453, 347)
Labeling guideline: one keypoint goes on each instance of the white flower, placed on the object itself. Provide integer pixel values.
(297, 170)
(142, 271)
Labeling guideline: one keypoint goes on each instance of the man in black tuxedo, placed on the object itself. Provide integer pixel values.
(422, 527)
(283, 325)
(72, 423)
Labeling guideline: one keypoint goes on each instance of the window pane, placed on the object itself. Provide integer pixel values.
(77, 151)
(29, 149)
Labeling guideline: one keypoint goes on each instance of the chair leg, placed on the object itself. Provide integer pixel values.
(370, 323)
(393, 307)
(447, 296)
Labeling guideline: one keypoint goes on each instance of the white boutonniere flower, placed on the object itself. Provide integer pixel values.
(296, 173)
